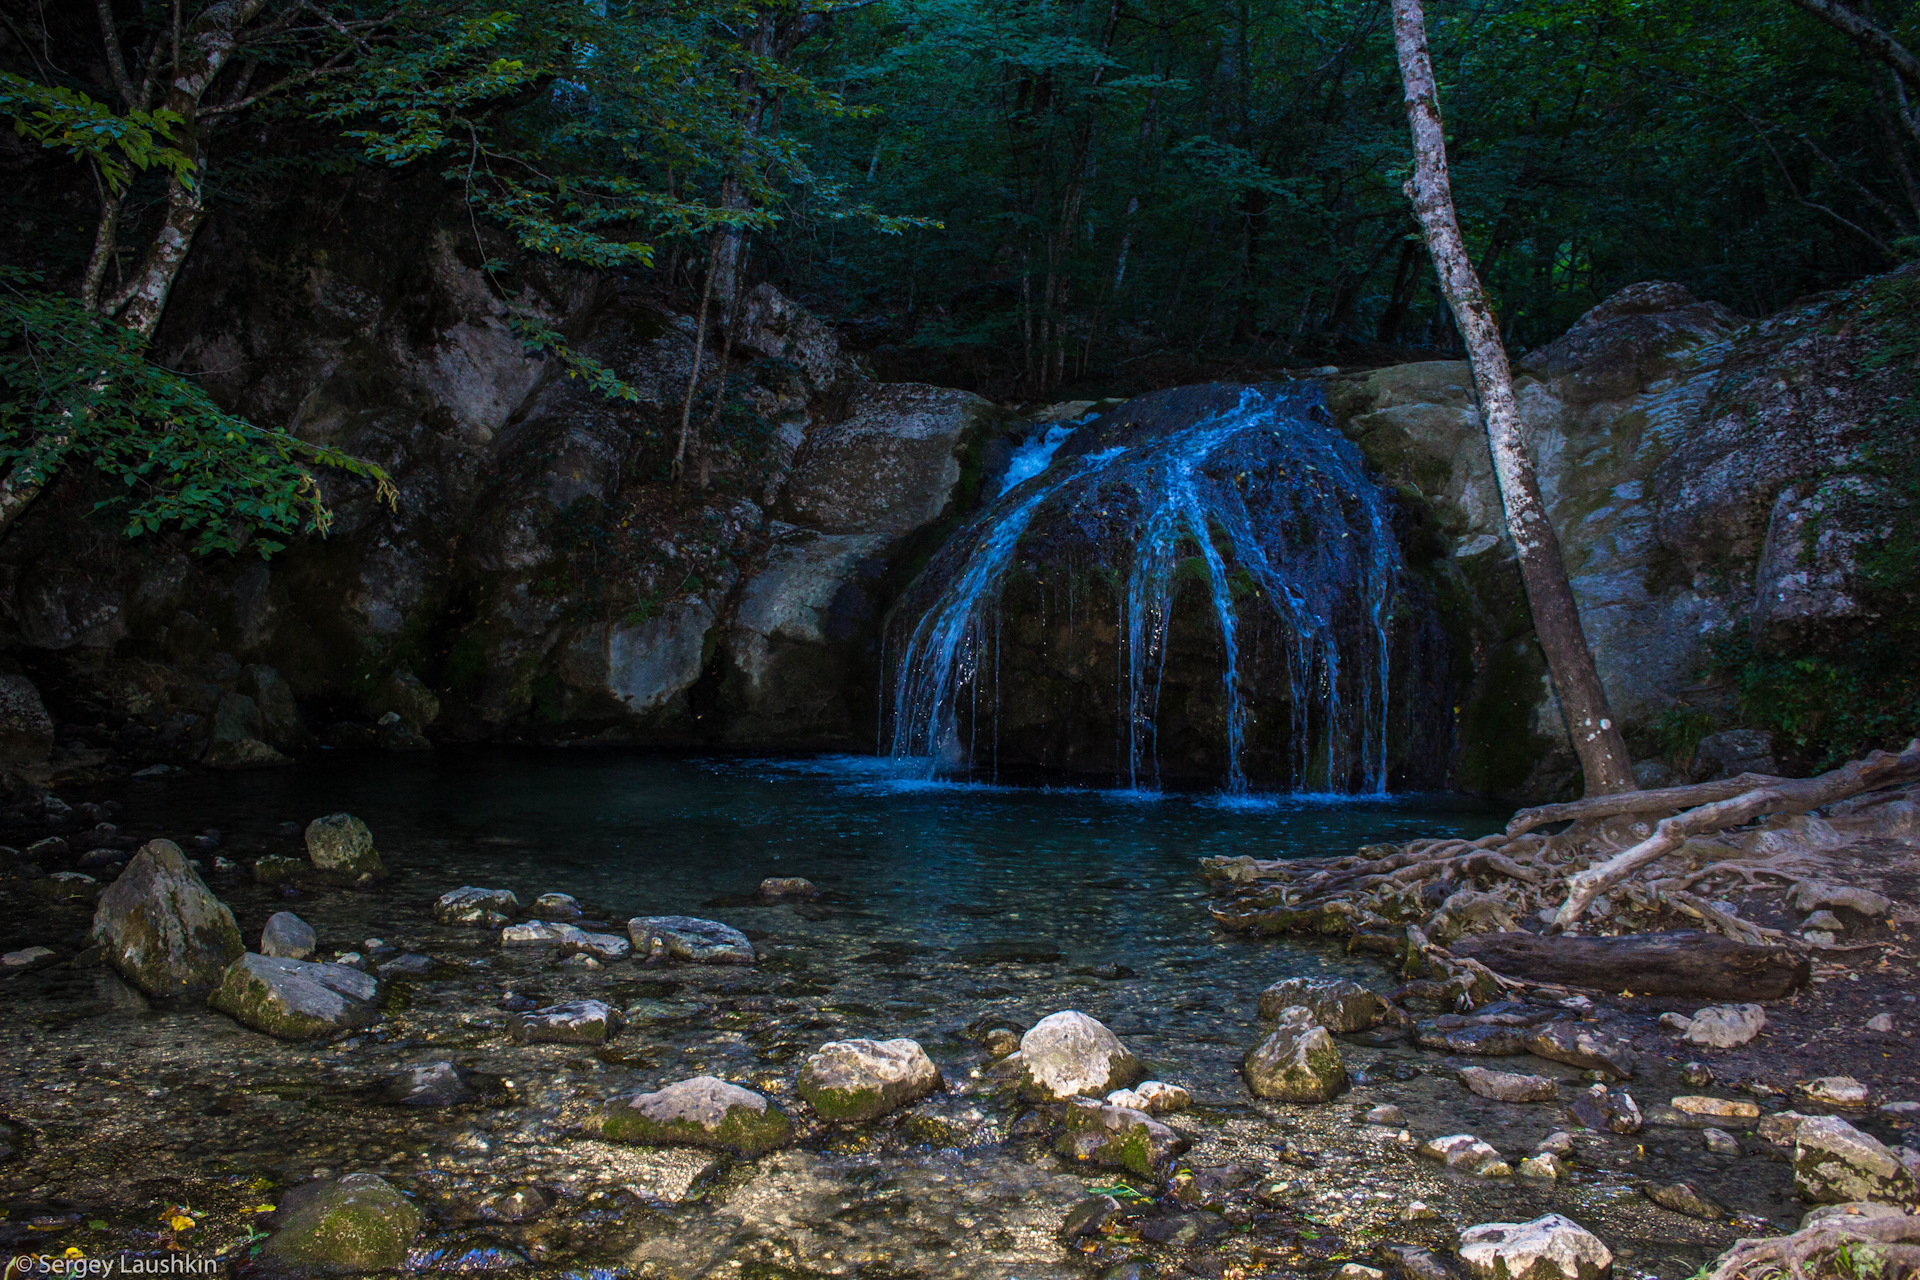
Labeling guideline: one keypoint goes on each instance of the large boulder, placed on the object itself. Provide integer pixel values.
(360, 1223)
(859, 1080)
(1834, 1162)
(1338, 1004)
(701, 1112)
(689, 940)
(1070, 1055)
(1114, 1137)
(161, 926)
(296, 999)
(1548, 1248)
(1297, 1062)
(342, 848)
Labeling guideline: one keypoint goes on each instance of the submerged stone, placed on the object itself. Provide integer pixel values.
(473, 905)
(1584, 1047)
(360, 1223)
(689, 940)
(575, 1022)
(1508, 1086)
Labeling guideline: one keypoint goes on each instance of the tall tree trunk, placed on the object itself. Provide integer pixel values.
(1556, 618)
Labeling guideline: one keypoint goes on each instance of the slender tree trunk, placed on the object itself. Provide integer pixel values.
(693, 378)
(1556, 616)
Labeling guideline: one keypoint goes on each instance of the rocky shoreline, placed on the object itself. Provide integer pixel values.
(458, 1079)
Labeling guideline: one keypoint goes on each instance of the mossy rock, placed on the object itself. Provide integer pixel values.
(161, 927)
(858, 1080)
(701, 1112)
(1299, 1062)
(357, 1224)
(296, 999)
(341, 849)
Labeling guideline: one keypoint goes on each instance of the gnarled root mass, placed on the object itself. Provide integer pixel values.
(1637, 861)
(1886, 1247)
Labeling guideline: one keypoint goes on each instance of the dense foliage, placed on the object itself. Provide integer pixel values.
(1172, 183)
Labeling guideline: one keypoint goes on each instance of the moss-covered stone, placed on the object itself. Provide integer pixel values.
(357, 1224)
(161, 926)
(1115, 1137)
(701, 1112)
(296, 999)
(341, 848)
(1299, 1062)
(859, 1080)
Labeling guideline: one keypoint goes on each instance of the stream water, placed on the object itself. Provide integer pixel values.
(948, 910)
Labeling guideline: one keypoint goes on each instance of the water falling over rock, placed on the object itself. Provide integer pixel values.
(1203, 586)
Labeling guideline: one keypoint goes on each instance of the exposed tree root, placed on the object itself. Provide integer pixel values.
(1877, 1246)
(1411, 901)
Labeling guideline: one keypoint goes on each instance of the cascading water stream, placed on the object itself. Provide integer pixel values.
(1247, 495)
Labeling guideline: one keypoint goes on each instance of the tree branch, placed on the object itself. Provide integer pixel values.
(1873, 40)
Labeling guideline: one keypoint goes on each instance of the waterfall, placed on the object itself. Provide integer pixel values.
(1244, 503)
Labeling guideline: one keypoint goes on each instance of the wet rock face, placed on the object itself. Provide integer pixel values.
(161, 927)
(1834, 1162)
(1297, 1062)
(296, 999)
(1548, 1248)
(1585, 1047)
(358, 1224)
(1068, 1055)
(860, 1080)
(701, 1112)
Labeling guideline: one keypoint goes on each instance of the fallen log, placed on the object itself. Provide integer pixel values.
(1663, 800)
(1880, 769)
(1656, 964)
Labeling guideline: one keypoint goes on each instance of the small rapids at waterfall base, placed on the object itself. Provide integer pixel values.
(1201, 587)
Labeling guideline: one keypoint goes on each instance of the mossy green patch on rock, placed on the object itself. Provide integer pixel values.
(701, 1112)
(360, 1223)
(295, 999)
(858, 1080)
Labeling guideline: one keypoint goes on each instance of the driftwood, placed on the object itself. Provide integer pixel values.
(1664, 800)
(1879, 1240)
(1657, 964)
(1880, 769)
(1451, 912)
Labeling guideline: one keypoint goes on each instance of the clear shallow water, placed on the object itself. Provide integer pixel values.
(991, 893)
(650, 834)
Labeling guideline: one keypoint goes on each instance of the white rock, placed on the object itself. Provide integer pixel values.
(1358, 1271)
(861, 1080)
(25, 958)
(1162, 1097)
(1549, 1248)
(1462, 1151)
(472, 905)
(1726, 1026)
(1070, 1055)
(1546, 1166)
(539, 933)
(1880, 1022)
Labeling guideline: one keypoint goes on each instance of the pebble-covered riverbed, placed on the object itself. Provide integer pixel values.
(946, 914)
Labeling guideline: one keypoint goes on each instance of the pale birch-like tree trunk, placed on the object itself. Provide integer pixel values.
(1556, 617)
